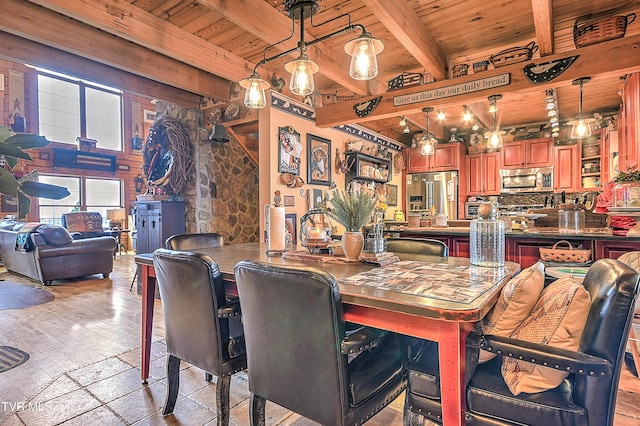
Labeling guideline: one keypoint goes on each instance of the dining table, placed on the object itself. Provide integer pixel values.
(440, 300)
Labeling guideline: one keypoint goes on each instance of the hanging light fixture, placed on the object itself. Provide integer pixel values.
(467, 116)
(428, 143)
(441, 115)
(494, 136)
(403, 121)
(581, 127)
(363, 51)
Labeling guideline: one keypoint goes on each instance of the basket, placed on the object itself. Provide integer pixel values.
(513, 55)
(564, 255)
(601, 29)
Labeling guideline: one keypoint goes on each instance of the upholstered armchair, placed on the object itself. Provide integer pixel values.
(587, 396)
(199, 326)
(299, 355)
(84, 225)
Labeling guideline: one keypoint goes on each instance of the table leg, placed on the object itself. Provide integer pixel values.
(452, 356)
(148, 298)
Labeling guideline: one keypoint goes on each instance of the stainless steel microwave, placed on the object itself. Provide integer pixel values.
(526, 180)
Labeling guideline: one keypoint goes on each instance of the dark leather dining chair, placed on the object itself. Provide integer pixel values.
(197, 322)
(193, 241)
(299, 355)
(416, 248)
(586, 397)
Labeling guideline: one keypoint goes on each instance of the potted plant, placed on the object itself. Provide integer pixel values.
(352, 211)
(11, 148)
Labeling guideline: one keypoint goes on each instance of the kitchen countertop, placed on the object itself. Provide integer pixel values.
(595, 234)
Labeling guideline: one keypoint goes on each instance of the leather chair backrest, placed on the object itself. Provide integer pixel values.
(416, 248)
(613, 288)
(83, 222)
(194, 241)
(294, 324)
(191, 290)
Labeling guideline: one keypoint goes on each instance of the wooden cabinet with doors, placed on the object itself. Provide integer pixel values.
(566, 168)
(447, 156)
(156, 221)
(629, 125)
(527, 153)
(483, 174)
(594, 160)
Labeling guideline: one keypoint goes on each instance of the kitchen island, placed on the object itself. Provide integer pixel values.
(523, 247)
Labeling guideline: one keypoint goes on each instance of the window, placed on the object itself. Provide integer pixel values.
(87, 194)
(69, 108)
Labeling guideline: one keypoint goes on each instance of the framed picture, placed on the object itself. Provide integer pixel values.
(289, 201)
(289, 150)
(393, 195)
(318, 160)
(149, 116)
(290, 223)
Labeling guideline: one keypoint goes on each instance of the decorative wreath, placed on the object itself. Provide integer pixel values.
(167, 155)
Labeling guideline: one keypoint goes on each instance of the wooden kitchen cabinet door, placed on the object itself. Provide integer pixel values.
(566, 168)
(484, 174)
(539, 152)
(416, 162)
(513, 154)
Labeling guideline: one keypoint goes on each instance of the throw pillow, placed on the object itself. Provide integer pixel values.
(55, 235)
(517, 299)
(557, 320)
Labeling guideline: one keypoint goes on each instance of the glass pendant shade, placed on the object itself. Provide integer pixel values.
(494, 138)
(427, 146)
(363, 51)
(580, 128)
(254, 87)
(302, 70)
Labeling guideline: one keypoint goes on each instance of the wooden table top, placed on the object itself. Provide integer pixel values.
(424, 292)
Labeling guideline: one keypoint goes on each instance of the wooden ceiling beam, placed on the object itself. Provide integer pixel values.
(15, 48)
(406, 26)
(72, 36)
(616, 58)
(137, 26)
(543, 22)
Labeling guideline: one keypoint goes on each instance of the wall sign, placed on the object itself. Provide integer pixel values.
(454, 90)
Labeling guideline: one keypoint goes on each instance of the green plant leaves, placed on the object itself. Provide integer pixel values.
(353, 211)
(44, 190)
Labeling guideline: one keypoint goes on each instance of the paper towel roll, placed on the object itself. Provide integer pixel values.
(276, 229)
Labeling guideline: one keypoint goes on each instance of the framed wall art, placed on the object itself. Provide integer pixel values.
(393, 195)
(289, 150)
(290, 224)
(289, 201)
(318, 160)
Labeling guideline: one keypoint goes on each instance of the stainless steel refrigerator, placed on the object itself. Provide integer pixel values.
(438, 189)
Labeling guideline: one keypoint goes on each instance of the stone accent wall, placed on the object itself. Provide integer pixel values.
(221, 193)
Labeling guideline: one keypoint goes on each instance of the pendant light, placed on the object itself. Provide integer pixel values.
(494, 136)
(580, 127)
(363, 50)
(428, 144)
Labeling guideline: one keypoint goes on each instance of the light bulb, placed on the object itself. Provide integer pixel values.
(467, 115)
(302, 70)
(363, 51)
(254, 87)
(581, 129)
(493, 108)
(495, 140)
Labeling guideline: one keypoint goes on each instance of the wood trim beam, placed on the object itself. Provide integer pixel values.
(71, 36)
(14, 48)
(612, 58)
(278, 29)
(137, 26)
(406, 26)
(543, 22)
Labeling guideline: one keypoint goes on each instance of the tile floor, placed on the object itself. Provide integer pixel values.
(84, 364)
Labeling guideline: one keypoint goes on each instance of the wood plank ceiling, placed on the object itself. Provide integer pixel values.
(227, 38)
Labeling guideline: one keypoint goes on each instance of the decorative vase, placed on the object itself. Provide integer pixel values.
(352, 243)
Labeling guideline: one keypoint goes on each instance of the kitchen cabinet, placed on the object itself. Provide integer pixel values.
(527, 153)
(594, 161)
(629, 124)
(447, 157)
(566, 168)
(483, 177)
(156, 221)
(367, 167)
(614, 249)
